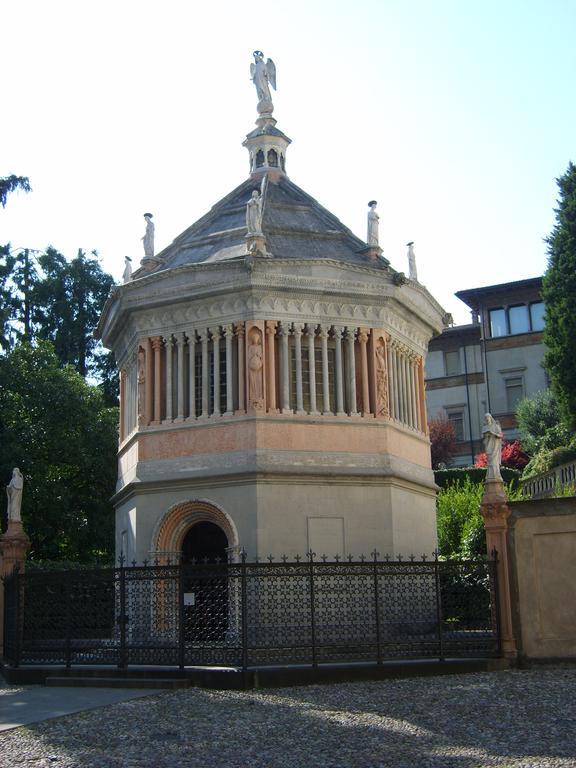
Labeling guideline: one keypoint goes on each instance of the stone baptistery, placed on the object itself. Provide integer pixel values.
(271, 380)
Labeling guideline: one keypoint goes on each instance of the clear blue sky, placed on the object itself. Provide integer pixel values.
(455, 115)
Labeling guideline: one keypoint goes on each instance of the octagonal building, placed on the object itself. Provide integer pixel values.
(271, 384)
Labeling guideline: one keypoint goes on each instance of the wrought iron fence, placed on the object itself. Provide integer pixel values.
(252, 614)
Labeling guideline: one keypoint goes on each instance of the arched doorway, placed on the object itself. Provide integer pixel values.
(204, 540)
(205, 580)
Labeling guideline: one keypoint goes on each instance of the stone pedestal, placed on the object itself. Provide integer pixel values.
(256, 245)
(495, 511)
(14, 545)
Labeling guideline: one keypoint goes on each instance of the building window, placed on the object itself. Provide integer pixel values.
(452, 363)
(498, 323)
(537, 316)
(456, 418)
(518, 318)
(514, 392)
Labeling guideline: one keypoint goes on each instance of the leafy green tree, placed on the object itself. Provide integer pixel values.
(559, 294)
(58, 430)
(540, 422)
(9, 184)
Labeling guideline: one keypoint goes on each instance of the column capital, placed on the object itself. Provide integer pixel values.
(271, 326)
(228, 330)
(156, 342)
(216, 332)
(297, 329)
(363, 335)
(323, 332)
(239, 329)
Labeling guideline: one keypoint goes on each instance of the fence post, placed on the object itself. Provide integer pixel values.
(244, 611)
(311, 556)
(122, 618)
(376, 610)
(181, 626)
(67, 577)
(439, 607)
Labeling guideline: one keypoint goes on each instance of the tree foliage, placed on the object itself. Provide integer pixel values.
(58, 430)
(442, 441)
(45, 296)
(540, 422)
(559, 294)
(9, 184)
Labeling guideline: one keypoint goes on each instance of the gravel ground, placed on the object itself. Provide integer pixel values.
(516, 719)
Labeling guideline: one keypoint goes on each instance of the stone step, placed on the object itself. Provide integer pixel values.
(116, 682)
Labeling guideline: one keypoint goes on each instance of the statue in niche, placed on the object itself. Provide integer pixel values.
(14, 492)
(148, 238)
(262, 74)
(254, 214)
(492, 434)
(141, 384)
(127, 274)
(412, 273)
(381, 381)
(373, 222)
(255, 366)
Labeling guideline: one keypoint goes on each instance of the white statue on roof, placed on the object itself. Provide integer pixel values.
(412, 272)
(254, 214)
(263, 73)
(373, 221)
(148, 239)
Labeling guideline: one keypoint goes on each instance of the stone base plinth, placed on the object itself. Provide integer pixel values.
(14, 544)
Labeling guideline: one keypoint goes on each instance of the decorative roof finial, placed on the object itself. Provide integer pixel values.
(263, 73)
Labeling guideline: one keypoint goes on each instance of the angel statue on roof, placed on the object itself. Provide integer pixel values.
(263, 73)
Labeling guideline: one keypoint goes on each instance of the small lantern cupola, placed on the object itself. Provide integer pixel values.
(266, 144)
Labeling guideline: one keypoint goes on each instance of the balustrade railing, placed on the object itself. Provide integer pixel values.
(549, 484)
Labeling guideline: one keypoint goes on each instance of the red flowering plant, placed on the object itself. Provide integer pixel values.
(512, 456)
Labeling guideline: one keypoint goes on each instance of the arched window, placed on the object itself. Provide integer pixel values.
(272, 158)
(282, 163)
(259, 159)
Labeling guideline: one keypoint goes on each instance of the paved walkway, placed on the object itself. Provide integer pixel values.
(32, 704)
(509, 719)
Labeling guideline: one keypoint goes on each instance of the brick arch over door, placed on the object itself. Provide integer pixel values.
(178, 520)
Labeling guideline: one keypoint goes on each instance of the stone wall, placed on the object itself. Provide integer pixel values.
(542, 547)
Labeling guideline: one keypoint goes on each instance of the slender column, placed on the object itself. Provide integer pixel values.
(216, 359)
(192, 374)
(325, 376)
(169, 412)
(405, 397)
(414, 385)
(228, 334)
(180, 344)
(298, 350)
(311, 333)
(363, 339)
(205, 372)
(338, 331)
(284, 369)
(240, 331)
(122, 404)
(271, 326)
(351, 332)
(391, 382)
(149, 387)
(398, 388)
(157, 347)
(410, 389)
(422, 397)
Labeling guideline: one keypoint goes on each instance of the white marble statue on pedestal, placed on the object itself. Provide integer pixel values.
(14, 493)
(127, 274)
(492, 434)
(263, 73)
(254, 214)
(412, 273)
(373, 222)
(148, 238)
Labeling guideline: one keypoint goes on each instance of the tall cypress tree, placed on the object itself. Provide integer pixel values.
(559, 294)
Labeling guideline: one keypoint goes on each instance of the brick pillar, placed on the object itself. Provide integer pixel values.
(495, 511)
(14, 545)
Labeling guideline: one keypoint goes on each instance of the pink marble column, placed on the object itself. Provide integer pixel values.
(495, 511)
(271, 326)
(363, 339)
(239, 329)
(157, 347)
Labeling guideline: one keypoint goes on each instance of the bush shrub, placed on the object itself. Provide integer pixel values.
(447, 477)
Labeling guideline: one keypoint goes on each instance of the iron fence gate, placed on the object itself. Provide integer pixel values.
(246, 614)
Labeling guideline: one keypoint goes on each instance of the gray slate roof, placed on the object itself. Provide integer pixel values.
(295, 226)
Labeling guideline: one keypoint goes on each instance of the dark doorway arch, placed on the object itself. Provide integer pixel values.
(204, 540)
(205, 582)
